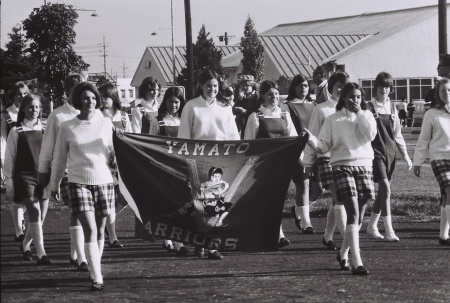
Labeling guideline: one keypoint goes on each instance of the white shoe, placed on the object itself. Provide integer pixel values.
(392, 237)
(374, 233)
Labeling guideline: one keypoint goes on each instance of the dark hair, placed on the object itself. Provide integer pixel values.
(214, 170)
(78, 90)
(438, 101)
(340, 77)
(298, 79)
(15, 88)
(25, 101)
(147, 85)
(384, 79)
(171, 92)
(108, 90)
(206, 75)
(70, 82)
(226, 90)
(321, 69)
(266, 85)
(345, 91)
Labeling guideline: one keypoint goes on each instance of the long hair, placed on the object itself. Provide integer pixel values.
(108, 90)
(298, 79)
(147, 85)
(25, 102)
(206, 75)
(78, 90)
(340, 77)
(171, 92)
(345, 91)
(439, 102)
(266, 85)
(15, 88)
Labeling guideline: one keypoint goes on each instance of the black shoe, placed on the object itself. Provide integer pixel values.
(199, 252)
(182, 252)
(342, 263)
(73, 262)
(444, 242)
(21, 246)
(283, 242)
(96, 286)
(169, 248)
(43, 261)
(360, 271)
(115, 244)
(309, 230)
(27, 255)
(215, 255)
(330, 244)
(83, 267)
(19, 238)
(297, 221)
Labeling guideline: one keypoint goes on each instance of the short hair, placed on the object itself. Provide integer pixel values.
(438, 101)
(346, 90)
(147, 85)
(70, 82)
(171, 92)
(340, 77)
(384, 79)
(25, 101)
(108, 90)
(321, 69)
(79, 89)
(266, 85)
(214, 170)
(298, 79)
(15, 88)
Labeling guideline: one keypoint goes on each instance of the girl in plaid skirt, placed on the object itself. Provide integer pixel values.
(434, 140)
(85, 144)
(347, 134)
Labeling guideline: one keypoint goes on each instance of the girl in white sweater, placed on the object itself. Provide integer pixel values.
(85, 144)
(435, 139)
(347, 134)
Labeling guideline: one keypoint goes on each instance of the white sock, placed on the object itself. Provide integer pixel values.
(111, 227)
(444, 228)
(167, 243)
(38, 237)
(341, 218)
(78, 235)
(345, 246)
(27, 240)
(304, 215)
(178, 245)
(73, 245)
(387, 220)
(93, 256)
(373, 220)
(101, 246)
(352, 232)
(17, 215)
(331, 224)
(281, 234)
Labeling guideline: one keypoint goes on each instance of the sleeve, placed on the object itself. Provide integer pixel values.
(290, 126)
(398, 137)
(325, 138)
(48, 144)
(184, 131)
(59, 162)
(3, 137)
(233, 133)
(314, 128)
(136, 120)
(423, 143)
(251, 130)
(128, 123)
(10, 154)
(367, 126)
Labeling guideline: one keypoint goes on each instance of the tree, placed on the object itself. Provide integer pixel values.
(14, 59)
(50, 28)
(205, 54)
(252, 51)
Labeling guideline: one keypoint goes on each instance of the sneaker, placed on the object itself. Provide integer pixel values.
(330, 244)
(343, 263)
(27, 255)
(374, 233)
(19, 238)
(73, 262)
(361, 271)
(297, 221)
(391, 237)
(115, 244)
(199, 252)
(215, 255)
(283, 242)
(83, 267)
(96, 286)
(43, 261)
(182, 252)
(309, 230)
(444, 242)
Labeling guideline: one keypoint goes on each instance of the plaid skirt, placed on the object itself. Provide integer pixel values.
(441, 170)
(325, 171)
(97, 198)
(354, 181)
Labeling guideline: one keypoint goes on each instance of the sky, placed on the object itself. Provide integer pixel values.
(127, 25)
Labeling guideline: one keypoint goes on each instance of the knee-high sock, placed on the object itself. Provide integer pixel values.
(303, 212)
(78, 237)
(17, 211)
(38, 237)
(101, 245)
(167, 243)
(281, 234)
(73, 246)
(387, 220)
(445, 226)
(373, 220)
(111, 227)
(352, 233)
(94, 259)
(341, 218)
(27, 240)
(331, 224)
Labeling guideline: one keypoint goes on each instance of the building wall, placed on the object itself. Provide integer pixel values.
(127, 93)
(144, 70)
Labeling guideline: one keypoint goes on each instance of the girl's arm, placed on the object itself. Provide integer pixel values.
(314, 128)
(59, 162)
(136, 120)
(10, 155)
(232, 131)
(399, 140)
(422, 145)
(251, 130)
(184, 131)
(128, 123)
(366, 124)
(324, 141)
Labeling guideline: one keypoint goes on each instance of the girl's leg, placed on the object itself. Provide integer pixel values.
(282, 241)
(35, 225)
(111, 227)
(331, 221)
(445, 226)
(302, 205)
(76, 241)
(87, 220)
(379, 208)
(340, 213)
(17, 210)
(385, 186)
(101, 223)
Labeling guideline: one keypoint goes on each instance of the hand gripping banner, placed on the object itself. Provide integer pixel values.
(226, 195)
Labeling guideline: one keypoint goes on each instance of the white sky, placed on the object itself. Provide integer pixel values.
(127, 24)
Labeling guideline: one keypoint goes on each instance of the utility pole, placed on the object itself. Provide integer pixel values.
(189, 50)
(104, 45)
(442, 17)
(225, 38)
(123, 69)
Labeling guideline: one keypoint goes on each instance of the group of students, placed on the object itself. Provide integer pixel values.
(351, 145)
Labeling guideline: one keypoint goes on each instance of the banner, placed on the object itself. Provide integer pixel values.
(227, 195)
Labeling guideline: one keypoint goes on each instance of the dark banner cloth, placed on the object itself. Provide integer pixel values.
(216, 194)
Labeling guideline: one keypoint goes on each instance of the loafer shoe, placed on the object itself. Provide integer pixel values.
(182, 251)
(343, 263)
(115, 244)
(43, 261)
(96, 286)
(374, 233)
(297, 221)
(83, 267)
(309, 230)
(73, 262)
(27, 255)
(19, 238)
(199, 252)
(283, 242)
(215, 255)
(330, 244)
(360, 270)
(444, 242)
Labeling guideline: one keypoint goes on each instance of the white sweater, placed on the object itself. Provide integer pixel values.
(348, 137)
(434, 137)
(136, 113)
(202, 121)
(85, 146)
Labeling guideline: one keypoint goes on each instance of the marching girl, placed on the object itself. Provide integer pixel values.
(269, 121)
(347, 134)
(336, 215)
(21, 172)
(149, 90)
(8, 120)
(205, 118)
(388, 136)
(434, 140)
(112, 109)
(85, 144)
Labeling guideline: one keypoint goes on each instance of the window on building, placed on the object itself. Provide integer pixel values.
(131, 93)
(123, 93)
(410, 89)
